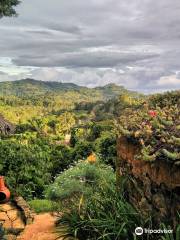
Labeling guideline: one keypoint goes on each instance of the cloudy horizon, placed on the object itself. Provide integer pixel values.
(130, 43)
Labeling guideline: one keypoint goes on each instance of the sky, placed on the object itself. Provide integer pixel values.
(134, 43)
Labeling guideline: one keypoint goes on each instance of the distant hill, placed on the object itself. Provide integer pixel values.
(24, 99)
(31, 87)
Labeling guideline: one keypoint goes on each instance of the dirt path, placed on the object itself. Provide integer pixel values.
(43, 228)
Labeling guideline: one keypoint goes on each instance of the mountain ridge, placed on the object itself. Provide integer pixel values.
(30, 87)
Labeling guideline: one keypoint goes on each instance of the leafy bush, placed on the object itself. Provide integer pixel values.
(30, 163)
(106, 148)
(103, 215)
(166, 99)
(61, 158)
(25, 168)
(42, 205)
(93, 209)
(82, 150)
(79, 180)
(155, 130)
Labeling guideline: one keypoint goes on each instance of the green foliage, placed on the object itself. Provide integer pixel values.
(100, 137)
(25, 168)
(167, 99)
(66, 122)
(30, 163)
(154, 130)
(106, 148)
(103, 215)
(171, 236)
(36, 155)
(82, 150)
(83, 178)
(61, 158)
(25, 99)
(94, 131)
(42, 205)
(7, 8)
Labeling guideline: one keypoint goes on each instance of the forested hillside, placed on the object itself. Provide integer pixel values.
(60, 152)
(24, 99)
(31, 87)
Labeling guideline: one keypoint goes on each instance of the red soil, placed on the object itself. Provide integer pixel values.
(43, 228)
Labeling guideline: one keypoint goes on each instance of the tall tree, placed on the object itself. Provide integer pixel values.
(7, 8)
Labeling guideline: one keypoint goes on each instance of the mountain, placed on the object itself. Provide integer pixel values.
(31, 87)
(112, 90)
(24, 99)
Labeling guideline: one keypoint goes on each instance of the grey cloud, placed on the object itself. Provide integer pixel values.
(41, 32)
(91, 60)
(72, 29)
(143, 35)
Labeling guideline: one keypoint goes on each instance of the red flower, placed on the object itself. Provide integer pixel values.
(152, 113)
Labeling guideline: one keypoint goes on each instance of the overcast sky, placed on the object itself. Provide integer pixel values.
(134, 43)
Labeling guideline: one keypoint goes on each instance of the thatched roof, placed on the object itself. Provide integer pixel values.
(5, 126)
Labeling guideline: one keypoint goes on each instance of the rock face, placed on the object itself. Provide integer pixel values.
(153, 188)
(14, 216)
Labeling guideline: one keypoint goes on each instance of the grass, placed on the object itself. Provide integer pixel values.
(42, 205)
(103, 216)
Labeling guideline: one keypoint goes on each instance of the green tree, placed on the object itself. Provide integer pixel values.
(106, 147)
(61, 158)
(7, 8)
(95, 131)
(66, 122)
(82, 150)
(26, 168)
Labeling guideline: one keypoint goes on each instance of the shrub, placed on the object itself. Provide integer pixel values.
(104, 215)
(82, 179)
(82, 150)
(26, 168)
(106, 148)
(155, 130)
(60, 158)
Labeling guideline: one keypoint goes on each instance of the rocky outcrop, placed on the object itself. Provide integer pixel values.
(14, 216)
(28, 214)
(153, 188)
(11, 219)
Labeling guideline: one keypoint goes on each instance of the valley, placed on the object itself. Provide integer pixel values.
(58, 150)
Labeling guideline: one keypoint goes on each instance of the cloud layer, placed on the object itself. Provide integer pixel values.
(131, 43)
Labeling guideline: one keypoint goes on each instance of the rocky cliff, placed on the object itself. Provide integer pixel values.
(152, 187)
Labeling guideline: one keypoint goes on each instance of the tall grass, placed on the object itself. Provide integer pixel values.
(104, 216)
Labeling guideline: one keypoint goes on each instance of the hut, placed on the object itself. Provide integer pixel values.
(6, 127)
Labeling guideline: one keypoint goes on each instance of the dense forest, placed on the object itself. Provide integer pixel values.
(58, 150)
